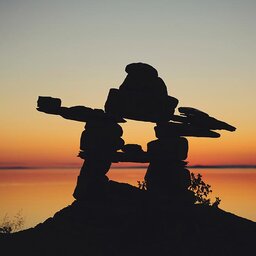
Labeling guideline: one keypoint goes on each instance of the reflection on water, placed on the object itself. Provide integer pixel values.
(235, 187)
(39, 193)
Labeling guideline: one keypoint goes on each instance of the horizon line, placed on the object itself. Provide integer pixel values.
(222, 166)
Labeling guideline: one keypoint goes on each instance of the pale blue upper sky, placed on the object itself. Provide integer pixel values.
(76, 50)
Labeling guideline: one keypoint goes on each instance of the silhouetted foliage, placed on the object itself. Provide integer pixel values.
(142, 185)
(217, 202)
(202, 190)
(15, 224)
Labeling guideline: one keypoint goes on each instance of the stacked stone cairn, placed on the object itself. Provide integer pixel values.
(142, 96)
(98, 145)
(99, 142)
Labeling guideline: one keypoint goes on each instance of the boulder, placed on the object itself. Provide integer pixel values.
(150, 85)
(140, 106)
(166, 180)
(135, 157)
(202, 119)
(100, 134)
(188, 111)
(48, 104)
(170, 129)
(143, 78)
(131, 153)
(141, 69)
(100, 143)
(132, 148)
(172, 149)
(90, 186)
(106, 128)
(46, 101)
(142, 96)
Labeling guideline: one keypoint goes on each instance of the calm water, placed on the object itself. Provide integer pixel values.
(39, 193)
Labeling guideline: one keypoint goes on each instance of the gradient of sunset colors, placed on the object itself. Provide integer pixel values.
(39, 193)
(77, 50)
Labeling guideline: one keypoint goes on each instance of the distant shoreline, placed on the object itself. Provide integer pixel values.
(130, 167)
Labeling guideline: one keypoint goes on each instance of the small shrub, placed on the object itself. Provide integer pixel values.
(142, 185)
(216, 202)
(202, 190)
(8, 225)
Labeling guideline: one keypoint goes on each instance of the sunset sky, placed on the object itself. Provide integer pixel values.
(205, 51)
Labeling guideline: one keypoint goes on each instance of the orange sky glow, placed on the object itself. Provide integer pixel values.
(40, 193)
(205, 53)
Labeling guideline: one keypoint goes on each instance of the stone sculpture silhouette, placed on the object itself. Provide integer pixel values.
(142, 96)
(98, 144)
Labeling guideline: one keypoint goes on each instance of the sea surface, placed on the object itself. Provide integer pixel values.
(37, 194)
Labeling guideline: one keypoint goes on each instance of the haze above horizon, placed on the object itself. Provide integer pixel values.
(204, 51)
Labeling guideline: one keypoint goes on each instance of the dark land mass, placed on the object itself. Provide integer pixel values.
(129, 221)
(110, 218)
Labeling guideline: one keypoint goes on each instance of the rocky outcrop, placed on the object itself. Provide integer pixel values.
(109, 218)
(127, 221)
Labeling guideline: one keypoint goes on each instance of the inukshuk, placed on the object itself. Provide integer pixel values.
(142, 96)
(98, 144)
(99, 141)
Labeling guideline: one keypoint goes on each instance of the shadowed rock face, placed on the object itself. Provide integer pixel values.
(142, 96)
(201, 119)
(140, 106)
(141, 69)
(48, 103)
(170, 129)
(127, 221)
(167, 175)
(99, 142)
(143, 78)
